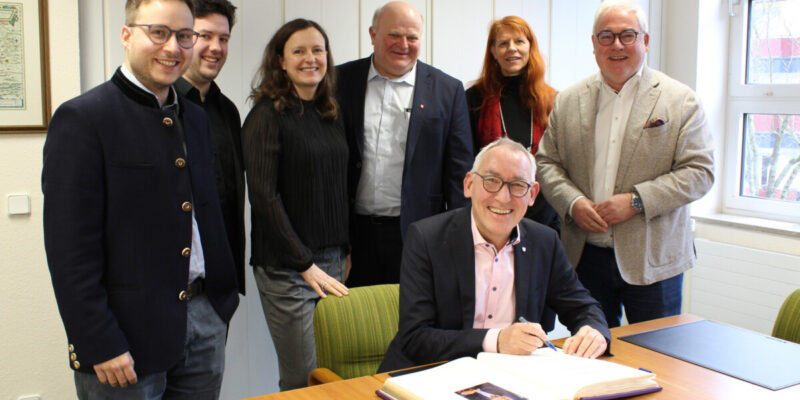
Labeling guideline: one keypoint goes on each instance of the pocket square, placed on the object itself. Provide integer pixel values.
(654, 123)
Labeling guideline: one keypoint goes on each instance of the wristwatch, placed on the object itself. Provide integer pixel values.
(636, 202)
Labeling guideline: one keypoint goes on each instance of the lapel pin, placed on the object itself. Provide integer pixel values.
(524, 249)
(422, 106)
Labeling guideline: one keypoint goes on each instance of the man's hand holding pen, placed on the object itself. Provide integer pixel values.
(521, 338)
(524, 337)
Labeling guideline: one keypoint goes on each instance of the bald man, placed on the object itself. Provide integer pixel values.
(410, 142)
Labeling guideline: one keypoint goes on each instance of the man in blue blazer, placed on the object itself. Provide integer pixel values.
(140, 264)
(410, 143)
(470, 274)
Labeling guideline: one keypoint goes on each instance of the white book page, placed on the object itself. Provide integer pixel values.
(565, 374)
(443, 381)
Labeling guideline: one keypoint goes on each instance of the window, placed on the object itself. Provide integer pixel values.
(762, 155)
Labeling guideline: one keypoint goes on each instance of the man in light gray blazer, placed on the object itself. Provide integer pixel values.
(625, 152)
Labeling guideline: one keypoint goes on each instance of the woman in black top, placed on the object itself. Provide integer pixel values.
(295, 155)
(510, 98)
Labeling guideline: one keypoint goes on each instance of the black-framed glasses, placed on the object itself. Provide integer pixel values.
(626, 37)
(493, 184)
(160, 34)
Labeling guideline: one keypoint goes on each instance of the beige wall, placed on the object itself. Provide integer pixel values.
(33, 348)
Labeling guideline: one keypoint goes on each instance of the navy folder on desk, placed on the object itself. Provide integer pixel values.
(750, 356)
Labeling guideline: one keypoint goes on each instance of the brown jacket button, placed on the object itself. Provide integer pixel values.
(183, 295)
(180, 163)
(186, 206)
(71, 348)
(186, 252)
(73, 356)
(167, 121)
(76, 364)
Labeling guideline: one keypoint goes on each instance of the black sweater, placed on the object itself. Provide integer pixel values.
(296, 165)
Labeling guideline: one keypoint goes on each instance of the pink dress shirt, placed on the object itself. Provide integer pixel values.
(494, 286)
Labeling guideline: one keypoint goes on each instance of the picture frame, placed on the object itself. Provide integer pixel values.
(25, 103)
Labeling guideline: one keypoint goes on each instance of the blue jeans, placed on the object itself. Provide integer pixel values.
(198, 375)
(598, 272)
(289, 304)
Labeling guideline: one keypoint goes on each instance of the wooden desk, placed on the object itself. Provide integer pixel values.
(681, 380)
(356, 388)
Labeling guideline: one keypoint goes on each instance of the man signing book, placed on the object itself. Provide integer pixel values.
(468, 274)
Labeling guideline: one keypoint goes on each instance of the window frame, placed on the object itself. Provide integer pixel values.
(745, 99)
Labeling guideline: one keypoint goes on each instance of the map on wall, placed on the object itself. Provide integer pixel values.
(12, 57)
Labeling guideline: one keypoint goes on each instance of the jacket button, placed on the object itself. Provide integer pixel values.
(71, 348)
(186, 206)
(186, 252)
(183, 295)
(73, 356)
(180, 163)
(76, 365)
(167, 121)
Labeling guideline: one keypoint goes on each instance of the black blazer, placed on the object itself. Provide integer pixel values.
(115, 180)
(439, 147)
(437, 289)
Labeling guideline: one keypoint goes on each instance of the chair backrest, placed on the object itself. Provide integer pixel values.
(787, 325)
(353, 332)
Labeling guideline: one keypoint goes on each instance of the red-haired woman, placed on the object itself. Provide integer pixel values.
(510, 98)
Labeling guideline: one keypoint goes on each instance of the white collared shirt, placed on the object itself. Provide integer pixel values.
(613, 111)
(197, 262)
(387, 111)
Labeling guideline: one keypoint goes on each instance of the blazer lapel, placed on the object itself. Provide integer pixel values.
(643, 105)
(523, 266)
(458, 240)
(360, 93)
(587, 102)
(422, 91)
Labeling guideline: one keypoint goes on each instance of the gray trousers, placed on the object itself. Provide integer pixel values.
(288, 302)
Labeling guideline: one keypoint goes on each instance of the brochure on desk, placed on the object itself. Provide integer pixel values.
(750, 356)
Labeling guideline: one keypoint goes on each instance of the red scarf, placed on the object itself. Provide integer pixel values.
(490, 128)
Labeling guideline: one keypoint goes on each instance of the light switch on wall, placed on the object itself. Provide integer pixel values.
(19, 204)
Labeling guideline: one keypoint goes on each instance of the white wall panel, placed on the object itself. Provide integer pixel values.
(741, 286)
(571, 57)
(113, 20)
(459, 36)
(339, 18)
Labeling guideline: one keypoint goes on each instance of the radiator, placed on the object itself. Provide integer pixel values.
(740, 285)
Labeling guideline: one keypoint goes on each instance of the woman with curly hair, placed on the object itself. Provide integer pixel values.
(295, 154)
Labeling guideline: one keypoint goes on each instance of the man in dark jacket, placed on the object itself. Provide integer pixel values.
(140, 265)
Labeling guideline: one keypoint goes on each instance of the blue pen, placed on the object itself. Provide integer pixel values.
(546, 342)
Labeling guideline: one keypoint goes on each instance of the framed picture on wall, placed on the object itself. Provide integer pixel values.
(24, 69)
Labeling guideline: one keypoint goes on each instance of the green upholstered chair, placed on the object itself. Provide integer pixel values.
(787, 325)
(354, 331)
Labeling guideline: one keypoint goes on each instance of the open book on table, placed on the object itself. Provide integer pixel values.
(545, 374)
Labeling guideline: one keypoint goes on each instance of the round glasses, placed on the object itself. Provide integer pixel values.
(493, 184)
(160, 34)
(626, 37)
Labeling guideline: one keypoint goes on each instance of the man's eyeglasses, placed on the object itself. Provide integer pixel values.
(493, 184)
(160, 34)
(626, 37)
